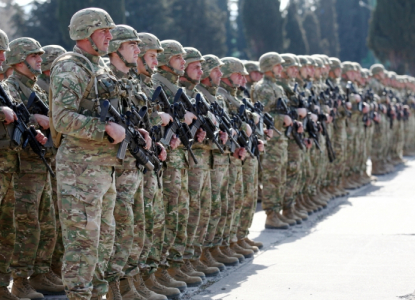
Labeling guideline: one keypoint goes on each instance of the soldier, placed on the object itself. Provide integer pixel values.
(220, 208)
(129, 207)
(171, 66)
(6, 71)
(255, 74)
(150, 256)
(35, 213)
(274, 173)
(198, 263)
(8, 173)
(86, 158)
(51, 53)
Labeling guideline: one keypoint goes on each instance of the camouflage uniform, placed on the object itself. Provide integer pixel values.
(85, 161)
(175, 176)
(274, 162)
(129, 206)
(34, 211)
(51, 53)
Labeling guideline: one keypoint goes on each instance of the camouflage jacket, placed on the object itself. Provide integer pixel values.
(76, 116)
(177, 158)
(21, 87)
(9, 159)
(44, 81)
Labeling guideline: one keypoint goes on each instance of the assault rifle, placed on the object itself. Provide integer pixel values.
(330, 151)
(225, 125)
(177, 112)
(21, 130)
(291, 131)
(252, 146)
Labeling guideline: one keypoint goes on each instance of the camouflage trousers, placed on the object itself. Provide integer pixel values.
(250, 192)
(154, 217)
(86, 200)
(132, 267)
(57, 255)
(235, 200)
(127, 182)
(351, 150)
(200, 198)
(176, 208)
(7, 225)
(339, 147)
(220, 209)
(274, 174)
(35, 224)
(293, 174)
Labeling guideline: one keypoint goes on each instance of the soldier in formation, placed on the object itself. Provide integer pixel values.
(132, 168)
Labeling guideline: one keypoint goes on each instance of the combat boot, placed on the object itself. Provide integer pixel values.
(191, 281)
(289, 213)
(22, 289)
(114, 291)
(128, 290)
(318, 202)
(284, 219)
(154, 285)
(300, 215)
(43, 285)
(313, 204)
(253, 243)
(242, 243)
(273, 222)
(245, 252)
(188, 269)
(138, 284)
(219, 256)
(308, 204)
(54, 278)
(208, 271)
(302, 206)
(164, 278)
(229, 252)
(6, 295)
(207, 259)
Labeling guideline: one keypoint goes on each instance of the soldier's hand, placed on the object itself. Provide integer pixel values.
(9, 115)
(261, 146)
(300, 128)
(287, 121)
(233, 132)
(240, 153)
(42, 120)
(314, 117)
(115, 131)
(377, 118)
(163, 153)
(348, 105)
(269, 133)
(308, 143)
(175, 142)
(223, 137)
(147, 137)
(248, 130)
(302, 112)
(329, 119)
(189, 117)
(40, 137)
(165, 118)
(200, 135)
(357, 98)
(365, 108)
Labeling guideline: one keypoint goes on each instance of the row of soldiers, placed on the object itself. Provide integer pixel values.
(161, 154)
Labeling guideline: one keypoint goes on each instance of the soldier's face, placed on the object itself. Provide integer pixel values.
(256, 76)
(151, 58)
(130, 51)
(177, 62)
(277, 69)
(337, 72)
(238, 79)
(304, 72)
(35, 61)
(317, 72)
(102, 38)
(292, 72)
(194, 70)
(216, 75)
(2, 56)
(310, 71)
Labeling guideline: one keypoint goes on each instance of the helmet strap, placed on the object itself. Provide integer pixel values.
(34, 72)
(94, 46)
(175, 71)
(127, 64)
(148, 69)
(195, 82)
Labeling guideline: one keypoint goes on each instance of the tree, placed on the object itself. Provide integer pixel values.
(312, 29)
(66, 10)
(326, 14)
(392, 34)
(199, 24)
(295, 36)
(262, 22)
(353, 21)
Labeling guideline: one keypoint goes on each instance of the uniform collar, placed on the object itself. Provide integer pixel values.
(173, 78)
(211, 89)
(30, 83)
(270, 78)
(188, 85)
(119, 74)
(93, 58)
(231, 90)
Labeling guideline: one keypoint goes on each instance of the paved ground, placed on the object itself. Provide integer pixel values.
(360, 247)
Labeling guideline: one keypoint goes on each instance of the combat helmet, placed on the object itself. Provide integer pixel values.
(3, 68)
(85, 21)
(268, 60)
(171, 48)
(192, 55)
(232, 65)
(51, 53)
(20, 49)
(148, 42)
(289, 60)
(347, 66)
(335, 63)
(252, 66)
(121, 34)
(304, 60)
(210, 62)
(4, 41)
(376, 69)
